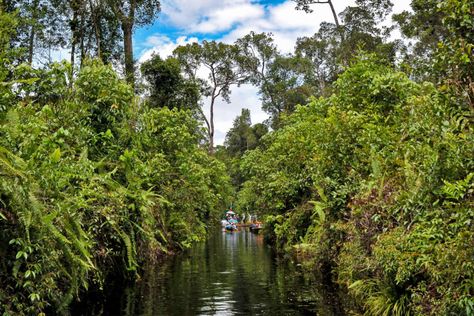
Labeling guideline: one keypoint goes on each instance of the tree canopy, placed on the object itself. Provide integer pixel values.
(168, 86)
(223, 64)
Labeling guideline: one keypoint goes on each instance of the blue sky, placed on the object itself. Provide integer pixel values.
(185, 21)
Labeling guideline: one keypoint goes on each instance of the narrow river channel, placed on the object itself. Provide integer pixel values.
(229, 274)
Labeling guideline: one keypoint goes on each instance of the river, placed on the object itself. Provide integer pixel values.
(229, 274)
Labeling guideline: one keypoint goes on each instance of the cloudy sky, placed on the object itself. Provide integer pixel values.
(185, 21)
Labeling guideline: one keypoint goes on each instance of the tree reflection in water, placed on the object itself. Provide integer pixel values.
(230, 274)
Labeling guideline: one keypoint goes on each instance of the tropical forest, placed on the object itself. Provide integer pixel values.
(120, 194)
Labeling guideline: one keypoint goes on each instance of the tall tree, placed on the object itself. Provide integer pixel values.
(260, 51)
(320, 50)
(8, 26)
(133, 13)
(105, 32)
(423, 26)
(362, 30)
(286, 87)
(167, 86)
(455, 57)
(42, 24)
(243, 135)
(305, 5)
(332, 48)
(237, 139)
(76, 23)
(34, 16)
(223, 65)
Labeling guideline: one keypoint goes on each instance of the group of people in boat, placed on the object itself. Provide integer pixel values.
(232, 221)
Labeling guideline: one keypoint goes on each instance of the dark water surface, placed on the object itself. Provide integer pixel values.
(229, 274)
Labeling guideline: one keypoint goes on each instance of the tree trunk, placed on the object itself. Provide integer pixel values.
(83, 52)
(128, 52)
(211, 122)
(73, 45)
(334, 14)
(31, 41)
(31, 45)
(75, 7)
(97, 30)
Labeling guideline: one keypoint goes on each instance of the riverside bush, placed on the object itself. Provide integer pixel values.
(386, 165)
(92, 185)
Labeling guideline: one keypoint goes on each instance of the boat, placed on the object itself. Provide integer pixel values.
(230, 227)
(230, 221)
(255, 227)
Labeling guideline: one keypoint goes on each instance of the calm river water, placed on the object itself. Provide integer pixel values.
(229, 274)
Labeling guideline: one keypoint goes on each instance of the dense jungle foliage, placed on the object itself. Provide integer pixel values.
(92, 182)
(375, 182)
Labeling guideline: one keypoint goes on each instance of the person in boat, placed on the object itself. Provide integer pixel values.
(233, 219)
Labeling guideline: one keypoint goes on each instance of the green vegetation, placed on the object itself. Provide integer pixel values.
(374, 183)
(93, 182)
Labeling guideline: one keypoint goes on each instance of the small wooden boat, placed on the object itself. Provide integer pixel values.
(255, 227)
(230, 227)
(243, 224)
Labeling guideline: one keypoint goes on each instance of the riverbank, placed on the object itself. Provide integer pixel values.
(85, 195)
(376, 183)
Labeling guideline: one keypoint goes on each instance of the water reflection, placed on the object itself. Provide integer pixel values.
(230, 274)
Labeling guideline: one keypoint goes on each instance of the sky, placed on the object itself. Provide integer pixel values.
(186, 21)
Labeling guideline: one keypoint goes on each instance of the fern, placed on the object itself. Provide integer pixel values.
(380, 298)
(131, 263)
(11, 165)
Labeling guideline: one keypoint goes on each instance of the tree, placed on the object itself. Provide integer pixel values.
(305, 5)
(332, 48)
(168, 87)
(260, 51)
(285, 87)
(423, 26)
(95, 29)
(106, 32)
(237, 138)
(455, 56)
(320, 50)
(77, 25)
(42, 24)
(88, 28)
(223, 63)
(8, 24)
(133, 13)
(362, 30)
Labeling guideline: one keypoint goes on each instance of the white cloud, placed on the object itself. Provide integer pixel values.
(186, 14)
(223, 19)
(401, 5)
(286, 23)
(163, 45)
